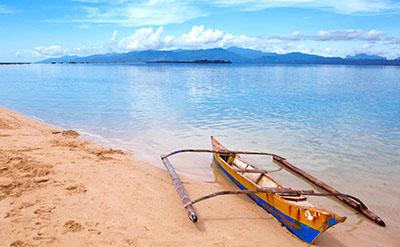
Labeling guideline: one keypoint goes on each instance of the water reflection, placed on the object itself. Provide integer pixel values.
(318, 116)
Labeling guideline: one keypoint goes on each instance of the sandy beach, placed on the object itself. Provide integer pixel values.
(57, 189)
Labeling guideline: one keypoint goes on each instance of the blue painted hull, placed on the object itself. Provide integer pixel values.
(303, 231)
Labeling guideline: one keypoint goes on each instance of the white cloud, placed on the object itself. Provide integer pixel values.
(201, 38)
(5, 10)
(82, 26)
(332, 35)
(51, 51)
(114, 36)
(374, 35)
(41, 52)
(394, 41)
(101, 1)
(367, 48)
(136, 13)
(343, 7)
(243, 41)
(338, 35)
(158, 12)
(144, 39)
(198, 37)
(293, 36)
(253, 5)
(293, 47)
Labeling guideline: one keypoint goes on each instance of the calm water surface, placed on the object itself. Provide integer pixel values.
(340, 123)
(342, 119)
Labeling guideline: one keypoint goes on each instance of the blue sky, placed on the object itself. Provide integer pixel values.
(34, 30)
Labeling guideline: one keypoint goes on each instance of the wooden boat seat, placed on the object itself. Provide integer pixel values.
(265, 182)
(254, 177)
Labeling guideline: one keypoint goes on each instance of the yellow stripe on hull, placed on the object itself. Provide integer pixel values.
(302, 218)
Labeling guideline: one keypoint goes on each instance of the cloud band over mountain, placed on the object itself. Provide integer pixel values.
(201, 38)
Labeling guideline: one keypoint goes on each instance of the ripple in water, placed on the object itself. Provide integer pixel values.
(319, 117)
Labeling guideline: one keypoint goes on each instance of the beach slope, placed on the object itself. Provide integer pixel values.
(57, 189)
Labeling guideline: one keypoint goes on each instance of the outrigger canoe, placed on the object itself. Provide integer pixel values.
(302, 218)
(289, 206)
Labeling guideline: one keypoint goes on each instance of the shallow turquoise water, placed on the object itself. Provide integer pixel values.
(319, 117)
(339, 123)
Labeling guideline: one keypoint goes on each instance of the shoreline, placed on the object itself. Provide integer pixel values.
(60, 190)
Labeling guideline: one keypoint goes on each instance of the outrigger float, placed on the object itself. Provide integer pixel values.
(287, 205)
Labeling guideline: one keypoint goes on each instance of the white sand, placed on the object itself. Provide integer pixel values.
(57, 189)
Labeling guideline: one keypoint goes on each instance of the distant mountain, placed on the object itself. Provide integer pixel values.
(154, 55)
(232, 54)
(210, 54)
(299, 58)
(363, 56)
(60, 59)
(248, 53)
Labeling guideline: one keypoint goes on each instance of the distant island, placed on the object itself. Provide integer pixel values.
(220, 55)
(18, 63)
(194, 61)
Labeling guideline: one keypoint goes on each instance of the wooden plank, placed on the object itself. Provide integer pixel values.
(251, 171)
(346, 199)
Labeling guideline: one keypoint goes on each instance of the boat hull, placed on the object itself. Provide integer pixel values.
(306, 224)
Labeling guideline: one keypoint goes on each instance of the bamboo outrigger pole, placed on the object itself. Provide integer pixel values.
(181, 191)
(347, 199)
(218, 152)
(272, 190)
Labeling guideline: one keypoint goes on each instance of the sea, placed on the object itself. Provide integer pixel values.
(340, 123)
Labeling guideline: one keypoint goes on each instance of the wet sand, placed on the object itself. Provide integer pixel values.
(57, 189)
